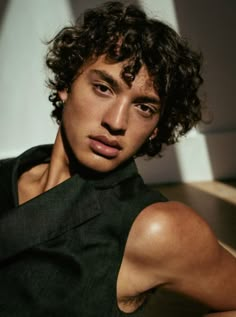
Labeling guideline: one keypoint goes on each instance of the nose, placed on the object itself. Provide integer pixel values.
(116, 117)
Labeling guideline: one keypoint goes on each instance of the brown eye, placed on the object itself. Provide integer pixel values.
(102, 89)
(145, 110)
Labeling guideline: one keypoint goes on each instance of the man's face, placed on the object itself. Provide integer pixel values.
(105, 120)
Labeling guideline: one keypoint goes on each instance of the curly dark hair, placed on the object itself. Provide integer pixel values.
(173, 66)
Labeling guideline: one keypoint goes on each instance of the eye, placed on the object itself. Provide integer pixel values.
(146, 110)
(101, 89)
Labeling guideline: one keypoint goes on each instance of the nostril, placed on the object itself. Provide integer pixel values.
(112, 130)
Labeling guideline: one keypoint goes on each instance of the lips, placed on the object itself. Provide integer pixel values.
(102, 145)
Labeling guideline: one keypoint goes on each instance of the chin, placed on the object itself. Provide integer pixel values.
(103, 168)
(99, 164)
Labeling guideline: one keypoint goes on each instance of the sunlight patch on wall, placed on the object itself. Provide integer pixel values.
(193, 158)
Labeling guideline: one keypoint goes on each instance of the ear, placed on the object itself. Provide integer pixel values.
(63, 94)
(154, 134)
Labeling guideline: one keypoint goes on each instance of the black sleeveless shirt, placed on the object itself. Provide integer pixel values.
(60, 253)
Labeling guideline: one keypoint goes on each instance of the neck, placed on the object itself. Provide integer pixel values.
(63, 164)
(59, 166)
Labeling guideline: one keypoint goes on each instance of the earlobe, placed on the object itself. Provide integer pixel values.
(63, 94)
(154, 134)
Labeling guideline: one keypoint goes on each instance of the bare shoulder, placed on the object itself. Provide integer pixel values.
(169, 229)
(171, 241)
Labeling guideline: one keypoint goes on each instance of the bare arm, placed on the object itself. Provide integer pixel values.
(178, 251)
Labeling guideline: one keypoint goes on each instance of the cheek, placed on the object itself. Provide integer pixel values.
(137, 139)
(75, 113)
(141, 130)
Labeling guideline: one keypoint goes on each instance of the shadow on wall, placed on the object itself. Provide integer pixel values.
(211, 28)
(221, 151)
(214, 35)
(3, 7)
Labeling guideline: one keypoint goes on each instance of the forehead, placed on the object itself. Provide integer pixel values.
(115, 69)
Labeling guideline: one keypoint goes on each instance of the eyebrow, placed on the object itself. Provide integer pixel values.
(107, 77)
(115, 85)
(146, 99)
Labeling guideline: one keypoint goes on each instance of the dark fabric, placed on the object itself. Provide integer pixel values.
(60, 253)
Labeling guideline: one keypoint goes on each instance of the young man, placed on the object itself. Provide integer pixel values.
(81, 235)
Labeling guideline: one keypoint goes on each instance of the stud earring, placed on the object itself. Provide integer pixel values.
(150, 143)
